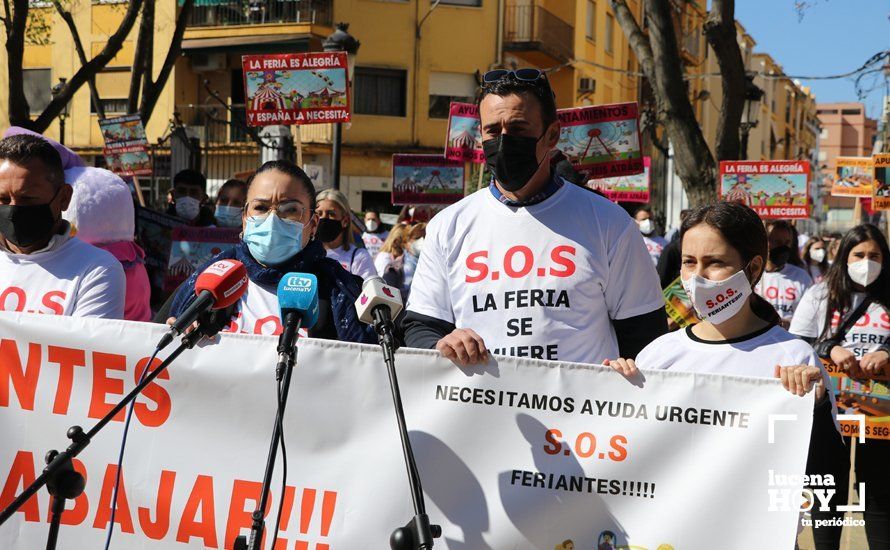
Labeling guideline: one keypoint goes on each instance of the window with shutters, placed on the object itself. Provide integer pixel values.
(380, 91)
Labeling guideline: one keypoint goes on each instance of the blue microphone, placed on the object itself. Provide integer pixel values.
(298, 303)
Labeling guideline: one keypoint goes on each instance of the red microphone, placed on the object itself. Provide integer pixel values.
(217, 287)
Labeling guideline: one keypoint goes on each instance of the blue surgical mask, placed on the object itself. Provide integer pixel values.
(227, 216)
(272, 240)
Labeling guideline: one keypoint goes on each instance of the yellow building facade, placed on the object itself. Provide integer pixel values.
(413, 60)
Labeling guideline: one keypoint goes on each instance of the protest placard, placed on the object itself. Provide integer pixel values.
(854, 177)
(426, 179)
(678, 305)
(464, 134)
(192, 247)
(154, 233)
(126, 147)
(866, 396)
(775, 189)
(881, 199)
(625, 188)
(296, 88)
(602, 141)
(516, 453)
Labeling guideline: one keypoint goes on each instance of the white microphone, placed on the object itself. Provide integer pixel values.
(377, 297)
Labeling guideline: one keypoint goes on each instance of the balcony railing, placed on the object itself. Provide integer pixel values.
(218, 13)
(532, 28)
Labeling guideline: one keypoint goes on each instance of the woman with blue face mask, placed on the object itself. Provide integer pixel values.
(278, 223)
(230, 201)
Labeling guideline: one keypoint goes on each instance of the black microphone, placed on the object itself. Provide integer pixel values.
(298, 304)
(217, 287)
(378, 305)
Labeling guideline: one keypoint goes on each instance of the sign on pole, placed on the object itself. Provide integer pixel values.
(296, 88)
(853, 177)
(633, 188)
(426, 179)
(775, 189)
(881, 199)
(126, 147)
(464, 134)
(602, 140)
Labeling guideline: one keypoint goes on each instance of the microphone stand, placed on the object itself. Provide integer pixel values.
(417, 534)
(286, 358)
(62, 481)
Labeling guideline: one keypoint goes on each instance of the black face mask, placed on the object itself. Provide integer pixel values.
(780, 255)
(25, 225)
(512, 159)
(328, 230)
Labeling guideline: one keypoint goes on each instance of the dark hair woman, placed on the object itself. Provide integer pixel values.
(278, 223)
(724, 250)
(848, 317)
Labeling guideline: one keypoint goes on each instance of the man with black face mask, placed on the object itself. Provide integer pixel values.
(783, 283)
(43, 267)
(532, 266)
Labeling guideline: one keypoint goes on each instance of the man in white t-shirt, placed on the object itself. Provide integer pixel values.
(532, 266)
(782, 284)
(43, 268)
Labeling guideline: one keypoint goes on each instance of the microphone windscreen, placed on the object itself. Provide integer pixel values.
(226, 280)
(376, 292)
(298, 292)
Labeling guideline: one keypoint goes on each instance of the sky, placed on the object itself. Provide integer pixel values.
(833, 37)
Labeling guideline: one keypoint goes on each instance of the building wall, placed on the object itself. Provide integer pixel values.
(593, 58)
(847, 132)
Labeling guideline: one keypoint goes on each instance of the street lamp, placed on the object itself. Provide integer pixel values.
(753, 95)
(55, 91)
(340, 41)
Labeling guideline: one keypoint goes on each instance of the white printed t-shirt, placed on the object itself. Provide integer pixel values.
(355, 260)
(754, 355)
(374, 241)
(259, 313)
(540, 281)
(870, 331)
(69, 277)
(784, 289)
(654, 245)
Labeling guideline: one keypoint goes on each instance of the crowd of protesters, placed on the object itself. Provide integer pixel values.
(67, 247)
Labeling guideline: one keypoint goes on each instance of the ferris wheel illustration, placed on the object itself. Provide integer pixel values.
(435, 177)
(599, 142)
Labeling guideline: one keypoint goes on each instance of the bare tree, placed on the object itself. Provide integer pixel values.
(81, 55)
(659, 57)
(15, 22)
(144, 89)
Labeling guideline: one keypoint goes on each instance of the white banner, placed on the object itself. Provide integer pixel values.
(516, 454)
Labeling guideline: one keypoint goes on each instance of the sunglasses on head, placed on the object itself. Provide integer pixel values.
(522, 75)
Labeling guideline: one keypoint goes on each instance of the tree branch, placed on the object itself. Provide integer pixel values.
(150, 97)
(720, 32)
(148, 60)
(138, 63)
(81, 55)
(96, 64)
(7, 15)
(19, 110)
(635, 37)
